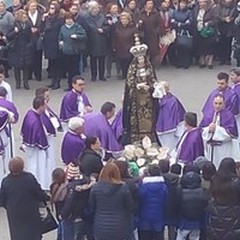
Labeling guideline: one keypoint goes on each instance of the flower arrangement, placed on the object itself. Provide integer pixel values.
(144, 153)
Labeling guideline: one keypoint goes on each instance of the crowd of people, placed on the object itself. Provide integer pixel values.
(109, 186)
(67, 33)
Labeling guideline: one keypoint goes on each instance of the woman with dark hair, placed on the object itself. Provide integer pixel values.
(132, 8)
(52, 24)
(70, 36)
(112, 204)
(224, 209)
(150, 20)
(90, 159)
(20, 196)
(182, 21)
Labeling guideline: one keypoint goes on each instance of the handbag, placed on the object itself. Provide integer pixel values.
(48, 222)
(207, 32)
(184, 40)
(79, 46)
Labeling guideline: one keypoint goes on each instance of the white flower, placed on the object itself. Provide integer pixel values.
(146, 142)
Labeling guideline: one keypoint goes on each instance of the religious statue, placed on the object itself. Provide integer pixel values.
(139, 106)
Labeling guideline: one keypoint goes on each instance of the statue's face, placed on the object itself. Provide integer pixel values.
(141, 60)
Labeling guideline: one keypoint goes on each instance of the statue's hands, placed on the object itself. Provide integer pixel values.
(143, 86)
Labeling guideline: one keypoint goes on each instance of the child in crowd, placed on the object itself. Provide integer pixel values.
(191, 203)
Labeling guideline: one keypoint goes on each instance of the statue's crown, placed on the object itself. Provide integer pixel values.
(139, 49)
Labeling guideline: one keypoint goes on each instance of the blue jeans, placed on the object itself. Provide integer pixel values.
(72, 229)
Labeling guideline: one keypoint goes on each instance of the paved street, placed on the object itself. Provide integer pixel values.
(192, 86)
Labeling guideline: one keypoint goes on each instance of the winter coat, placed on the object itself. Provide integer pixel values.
(172, 182)
(6, 22)
(37, 36)
(90, 162)
(21, 53)
(97, 42)
(112, 205)
(192, 201)
(151, 29)
(20, 195)
(123, 40)
(68, 43)
(182, 19)
(223, 222)
(210, 16)
(152, 200)
(52, 27)
(76, 202)
(224, 214)
(223, 11)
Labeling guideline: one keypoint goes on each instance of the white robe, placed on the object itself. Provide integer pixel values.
(228, 148)
(170, 138)
(37, 162)
(237, 117)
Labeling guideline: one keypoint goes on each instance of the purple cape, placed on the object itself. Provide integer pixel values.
(117, 124)
(69, 107)
(47, 122)
(171, 113)
(230, 98)
(33, 132)
(72, 146)
(9, 106)
(192, 146)
(236, 88)
(3, 124)
(97, 125)
(227, 120)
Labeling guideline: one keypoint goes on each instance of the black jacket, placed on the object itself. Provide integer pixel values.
(112, 205)
(52, 27)
(192, 199)
(76, 202)
(21, 53)
(172, 182)
(20, 195)
(90, 162)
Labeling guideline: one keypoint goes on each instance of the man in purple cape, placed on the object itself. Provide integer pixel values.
(235, 78)
(230, 97)
(52, 124)
(96, 124)
(73, 141)
(220, 133)
(4, 160)
(169, 126)
(6, 133)
(190, 145)
(75, 102)
(35, 143)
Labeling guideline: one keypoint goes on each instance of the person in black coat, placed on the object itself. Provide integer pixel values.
(90, 159)
(97, 31)
(20, 196)
(224, 207)
(21, 50)
(112, 204)
(52, 24)
(35, 22)
(192, 202)
(182, 21)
